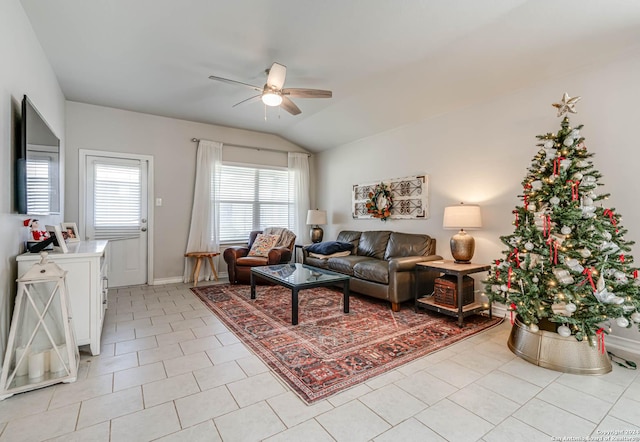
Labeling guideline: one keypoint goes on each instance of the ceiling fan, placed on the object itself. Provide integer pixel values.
(273, 93)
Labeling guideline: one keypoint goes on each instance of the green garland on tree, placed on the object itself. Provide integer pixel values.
(567, 260)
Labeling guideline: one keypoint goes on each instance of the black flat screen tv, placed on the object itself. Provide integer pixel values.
(37, 165)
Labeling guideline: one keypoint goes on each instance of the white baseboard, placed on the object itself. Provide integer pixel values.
(164, 281)
(499, 310)
(624, 344)
(178, 279)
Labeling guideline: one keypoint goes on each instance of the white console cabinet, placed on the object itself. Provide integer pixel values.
(86, 264)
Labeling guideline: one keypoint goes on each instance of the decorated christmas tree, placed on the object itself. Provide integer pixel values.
(567, 261)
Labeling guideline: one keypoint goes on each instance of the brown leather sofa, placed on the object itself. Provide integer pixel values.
(239, 262)
(381, 264)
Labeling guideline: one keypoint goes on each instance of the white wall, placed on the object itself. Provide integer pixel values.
(24, 69)
(480, 155)
(168, 140)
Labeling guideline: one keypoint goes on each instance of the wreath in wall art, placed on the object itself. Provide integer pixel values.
(380, 202)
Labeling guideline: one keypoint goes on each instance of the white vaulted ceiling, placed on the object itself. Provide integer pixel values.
(388, 63)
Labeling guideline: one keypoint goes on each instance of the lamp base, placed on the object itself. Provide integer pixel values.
(462, 247)
(316, 234)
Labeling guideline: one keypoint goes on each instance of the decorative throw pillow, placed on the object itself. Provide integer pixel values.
(263, 244)
(329, 247)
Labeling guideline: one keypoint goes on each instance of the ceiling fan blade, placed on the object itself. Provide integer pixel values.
(290, 106)
(249, 100)
(277, 75)
(306, 93)
(226, 80)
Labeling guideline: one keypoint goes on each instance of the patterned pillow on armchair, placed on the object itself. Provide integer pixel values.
(263, 244)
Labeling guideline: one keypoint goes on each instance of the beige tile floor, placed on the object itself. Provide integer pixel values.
(170, 371)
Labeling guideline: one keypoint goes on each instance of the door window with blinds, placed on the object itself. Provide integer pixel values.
(116, 198)
(252, 198)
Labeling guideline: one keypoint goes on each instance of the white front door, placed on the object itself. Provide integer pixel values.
(116, 208)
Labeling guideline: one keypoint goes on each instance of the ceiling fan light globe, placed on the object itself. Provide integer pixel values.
(272, 99)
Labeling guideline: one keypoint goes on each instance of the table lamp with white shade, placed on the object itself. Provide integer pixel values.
(315, 217)
(462, 216)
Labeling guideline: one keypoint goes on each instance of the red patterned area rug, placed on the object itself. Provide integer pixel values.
(330, 351)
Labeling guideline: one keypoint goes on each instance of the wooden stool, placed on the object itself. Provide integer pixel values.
(199, 256)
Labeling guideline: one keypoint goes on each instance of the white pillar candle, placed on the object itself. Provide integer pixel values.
(56, 364)
(23, 368)
(46, 359)
(36, 365)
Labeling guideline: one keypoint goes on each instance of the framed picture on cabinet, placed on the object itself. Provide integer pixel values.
(59, 245)
(70, 232)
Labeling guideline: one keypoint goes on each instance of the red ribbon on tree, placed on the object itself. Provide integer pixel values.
(556, 165)
(509, 277)
(512, 307)
(515, 212)
(635, 274)
(546, 226)
(497, 271)
(600, 335)
(553, 250)
(515, 255)
(622, 257)
(587, 272)
(612, 217)
(575, 184)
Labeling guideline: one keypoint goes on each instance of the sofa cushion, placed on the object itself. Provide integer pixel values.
(375, 270)
(351, 236)
(329, 247)
(374, 243)
(345, 264)
(252, 261)
(407, 244)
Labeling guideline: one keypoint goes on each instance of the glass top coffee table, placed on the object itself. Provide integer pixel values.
(298, 277)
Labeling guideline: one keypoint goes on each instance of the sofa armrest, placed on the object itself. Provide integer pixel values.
(408, 263)
(279, 255)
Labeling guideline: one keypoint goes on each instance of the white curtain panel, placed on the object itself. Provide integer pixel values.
(205, 214)
(299, 189)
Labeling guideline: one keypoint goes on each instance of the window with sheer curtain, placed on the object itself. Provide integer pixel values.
(252, 198)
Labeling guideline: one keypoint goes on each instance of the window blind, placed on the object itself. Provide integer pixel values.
(252, 198)
(117, 201)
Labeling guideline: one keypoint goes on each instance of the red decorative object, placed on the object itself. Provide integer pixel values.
(36, 233)
(328, 351)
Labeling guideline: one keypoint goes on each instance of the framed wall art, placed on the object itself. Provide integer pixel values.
(396, 198)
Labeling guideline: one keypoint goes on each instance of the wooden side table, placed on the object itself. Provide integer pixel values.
(200, 256)
(458, 270)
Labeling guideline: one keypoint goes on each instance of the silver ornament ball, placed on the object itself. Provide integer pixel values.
(564, 331)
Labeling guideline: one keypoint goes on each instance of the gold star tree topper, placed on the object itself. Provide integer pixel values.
(567, 104)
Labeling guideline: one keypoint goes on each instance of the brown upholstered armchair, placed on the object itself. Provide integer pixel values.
(239, 262)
